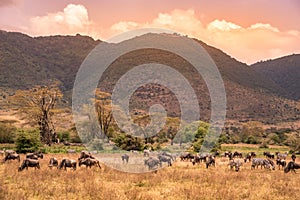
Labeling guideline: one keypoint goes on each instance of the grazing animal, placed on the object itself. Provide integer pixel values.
(9, 151)
(291, 166)
(249, 156)
(125, 158)
(237, 155)
(186, 157)
(12, 156)
(53, 162)
(168, 155)
(269, 155)
(280, 162)
(268, 163)
(35, 155)
(67, 163)
(257, 162)
(152, 162)
(235, 164)
(89, 162)
(29, 163)
(210, 161)
(166, 159)
(281, 155)
(85, 154)
(293, 157)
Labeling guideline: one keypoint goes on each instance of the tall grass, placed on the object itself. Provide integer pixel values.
(181, 181)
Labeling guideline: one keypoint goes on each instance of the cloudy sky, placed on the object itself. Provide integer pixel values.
(247, 30)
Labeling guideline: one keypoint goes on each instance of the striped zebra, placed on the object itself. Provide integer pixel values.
(235, 164)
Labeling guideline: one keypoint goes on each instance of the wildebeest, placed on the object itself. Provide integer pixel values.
(152, 163)
(67, 163)
(291, 166)
(249, 156)
(125, 158)
(186, 156)
(53, 162)
(12, 156)
(228, 154)
(237, 154)
(85, 154)
(89, 162)
(35, 155)
(235, 164)
(293, 157)
(9, 151)
(29, 163)
(163, 158)
(280, 162)
(210, 161)
(269, 155)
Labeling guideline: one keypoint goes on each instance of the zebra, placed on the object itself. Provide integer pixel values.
(266, 163)
(168, 155)
(125, 158)
(166, 159)
(257, 162)
(235, 164)
(281, 156)
(152, 162)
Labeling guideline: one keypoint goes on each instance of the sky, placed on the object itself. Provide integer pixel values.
(249, 31)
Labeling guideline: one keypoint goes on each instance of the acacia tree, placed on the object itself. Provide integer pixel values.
(37, 105)
(104, 111)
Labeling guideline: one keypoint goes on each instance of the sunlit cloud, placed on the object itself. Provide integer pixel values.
(259, 41)
(72, 20)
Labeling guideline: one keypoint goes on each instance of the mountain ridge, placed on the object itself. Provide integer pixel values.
(27, 61)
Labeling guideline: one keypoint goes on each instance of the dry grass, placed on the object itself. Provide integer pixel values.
(182, 181)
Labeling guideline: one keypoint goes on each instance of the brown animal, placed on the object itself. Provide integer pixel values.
(89, 162)
(35, 155)
(67, 163)
(12, 156)
(29, 163)
(291, 166)
(85, 154)
(53, 162)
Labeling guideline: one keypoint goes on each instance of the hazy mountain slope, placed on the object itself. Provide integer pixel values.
(27, 61)
(283, 71)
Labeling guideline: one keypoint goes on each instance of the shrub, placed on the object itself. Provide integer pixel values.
(27, 141)
(7, 133)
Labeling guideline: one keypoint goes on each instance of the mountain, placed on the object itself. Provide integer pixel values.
(284, 71)
(26, 61)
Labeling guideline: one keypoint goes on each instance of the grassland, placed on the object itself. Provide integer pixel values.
(181, 181)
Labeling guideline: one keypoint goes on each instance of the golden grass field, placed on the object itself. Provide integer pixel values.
(181, 181)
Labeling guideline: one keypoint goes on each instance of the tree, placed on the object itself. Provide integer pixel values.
(104, 111)
(37, 105)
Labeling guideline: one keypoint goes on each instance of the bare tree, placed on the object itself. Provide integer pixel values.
(37, 105)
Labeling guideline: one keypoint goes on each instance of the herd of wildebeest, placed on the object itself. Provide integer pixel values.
(154, 160)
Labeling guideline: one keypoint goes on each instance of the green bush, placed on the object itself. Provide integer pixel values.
(7, 133)
(64, 136)
(27, 141)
